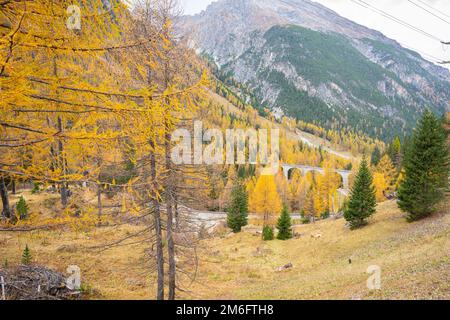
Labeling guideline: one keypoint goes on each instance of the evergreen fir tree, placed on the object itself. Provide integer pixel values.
(376, 156)
(395, 152)
(238, 210)
(22, 208)
(36, 188)
(26, 256)
(284, 225)
(362, 203)
(426, 169)
(268, 233)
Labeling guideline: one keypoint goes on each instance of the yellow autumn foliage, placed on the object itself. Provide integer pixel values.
(265, 200)
(379, 181)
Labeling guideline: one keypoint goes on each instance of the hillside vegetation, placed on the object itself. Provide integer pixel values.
(414, 260)
(113, 146)
(306, 61)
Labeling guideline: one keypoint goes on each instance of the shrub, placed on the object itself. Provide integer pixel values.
(306, 220)
(36, 188)
(22, 208)
(26, 256)
(325, 215)
(268, 233)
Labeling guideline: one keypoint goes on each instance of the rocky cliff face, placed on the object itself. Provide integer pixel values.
(304, 59)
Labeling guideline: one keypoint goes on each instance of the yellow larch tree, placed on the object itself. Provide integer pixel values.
(250, 186)
(380, 184)
(282, 187)
(265, 199)
(308, 205)
(78, 81)
(298, 187)
(386, 167)
(52, 98)
(320, 195)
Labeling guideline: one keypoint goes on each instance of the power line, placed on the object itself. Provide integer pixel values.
(406, 24)
(425, 9)
(426, 4)
(397, 20)
(424, 54)
(428, 56)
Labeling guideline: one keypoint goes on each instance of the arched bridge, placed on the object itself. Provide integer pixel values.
(345, 174)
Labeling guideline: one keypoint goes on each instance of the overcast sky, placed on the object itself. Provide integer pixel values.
(401, 9)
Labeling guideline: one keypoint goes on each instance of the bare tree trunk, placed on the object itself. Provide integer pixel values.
(99, 201)
(169, 187)
(177, 212)
(63, 186)
(53, 163)
(13, 186)
(7, 213)
(158, 229)
(156, 211)
(171, 251)
(170, 207)
(159, 251)
(60, 156)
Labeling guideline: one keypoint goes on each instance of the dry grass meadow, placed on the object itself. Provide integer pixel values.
(414, 260)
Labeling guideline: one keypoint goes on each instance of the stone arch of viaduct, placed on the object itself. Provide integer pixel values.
(345, 174)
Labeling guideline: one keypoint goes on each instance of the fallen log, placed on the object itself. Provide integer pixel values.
(29, 229)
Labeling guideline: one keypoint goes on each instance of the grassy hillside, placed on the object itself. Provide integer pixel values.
(414, 259)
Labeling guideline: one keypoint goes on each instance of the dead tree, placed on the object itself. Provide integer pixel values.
(7, 211)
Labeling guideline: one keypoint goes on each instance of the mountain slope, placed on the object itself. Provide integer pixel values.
(302, 59)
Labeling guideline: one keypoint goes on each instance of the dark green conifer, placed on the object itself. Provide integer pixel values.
(284, 225)
(237, 216)
(26, 256)
(362, 203)
(426, 168)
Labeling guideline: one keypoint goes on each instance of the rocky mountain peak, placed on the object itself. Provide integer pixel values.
(304, 59)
